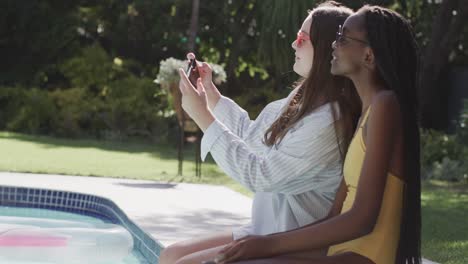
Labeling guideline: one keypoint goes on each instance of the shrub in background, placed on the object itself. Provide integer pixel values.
(443, 156)
(104, 100)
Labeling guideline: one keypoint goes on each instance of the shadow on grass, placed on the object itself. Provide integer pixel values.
(157, 150)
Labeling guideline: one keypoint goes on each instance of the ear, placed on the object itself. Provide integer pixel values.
(369, 58)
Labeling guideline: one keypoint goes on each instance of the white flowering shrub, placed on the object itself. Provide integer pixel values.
(168, 72)
(219, 75)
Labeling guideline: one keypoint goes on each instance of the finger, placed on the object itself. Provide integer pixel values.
(235, 257)
(229, 253)
(203, 68)
(219, 258)
(205, 65)
(227, 247)
(190, 56)
(185, 79)
(188, 87)
(182, 84)
(181, 87)
(199, 67)
(200, 87)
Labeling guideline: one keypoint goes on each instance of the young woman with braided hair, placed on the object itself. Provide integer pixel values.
(379, 200)
(291, 156)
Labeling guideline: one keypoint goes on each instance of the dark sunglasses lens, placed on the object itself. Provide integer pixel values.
(338, 37)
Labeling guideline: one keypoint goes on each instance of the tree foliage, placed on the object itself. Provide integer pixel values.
(55, 45)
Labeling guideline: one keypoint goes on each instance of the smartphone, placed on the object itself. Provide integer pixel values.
(192, 72)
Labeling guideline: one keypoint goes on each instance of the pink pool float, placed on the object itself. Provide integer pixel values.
(25, 239)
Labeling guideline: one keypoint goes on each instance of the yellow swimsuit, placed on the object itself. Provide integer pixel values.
(381, 244)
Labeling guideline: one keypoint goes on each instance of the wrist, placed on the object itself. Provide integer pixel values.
(204, 119)
(213, 94)
(212, 102)
(274, 245)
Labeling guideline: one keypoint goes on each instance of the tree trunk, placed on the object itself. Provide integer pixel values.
(446, 29)
(193, 25)
(192, 47)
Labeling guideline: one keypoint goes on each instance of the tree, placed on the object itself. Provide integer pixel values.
(191, 45)
(448, 27)
(193, 25)
(35, 35)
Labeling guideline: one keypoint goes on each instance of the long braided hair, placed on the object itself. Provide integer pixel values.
(396, 53)
(321, 85)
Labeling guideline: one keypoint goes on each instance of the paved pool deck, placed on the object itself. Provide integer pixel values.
(169, 212)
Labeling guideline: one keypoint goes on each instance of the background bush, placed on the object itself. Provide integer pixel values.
(445, 156)
(103, 99)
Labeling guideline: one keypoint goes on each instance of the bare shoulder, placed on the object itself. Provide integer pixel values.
(386, 99)
(385, 107)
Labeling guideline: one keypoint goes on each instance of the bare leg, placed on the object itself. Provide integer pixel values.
(344, 258)
(200, 256)
(296, 258)
(307, 254)
(176, 251)
(277, 260)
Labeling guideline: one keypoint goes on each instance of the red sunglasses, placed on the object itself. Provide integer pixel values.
(301, 38)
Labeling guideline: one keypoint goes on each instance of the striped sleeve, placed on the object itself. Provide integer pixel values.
(309, 147)
(232, 116)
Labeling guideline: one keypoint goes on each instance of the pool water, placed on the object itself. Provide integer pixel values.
(134, 258)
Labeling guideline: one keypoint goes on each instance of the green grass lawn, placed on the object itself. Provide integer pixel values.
(445, 205)
(38, 154)
(445, 222)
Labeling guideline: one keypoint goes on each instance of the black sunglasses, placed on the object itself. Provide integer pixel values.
(340, 37)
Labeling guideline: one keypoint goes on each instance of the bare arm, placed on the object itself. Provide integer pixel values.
(361, 218)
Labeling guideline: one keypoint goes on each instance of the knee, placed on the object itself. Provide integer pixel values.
(183, 261)
(171, 254)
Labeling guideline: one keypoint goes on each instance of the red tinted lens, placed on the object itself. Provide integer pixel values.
(301, 37)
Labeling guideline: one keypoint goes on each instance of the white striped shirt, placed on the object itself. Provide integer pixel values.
(294, 182)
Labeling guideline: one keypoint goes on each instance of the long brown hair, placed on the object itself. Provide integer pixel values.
(321, 86)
